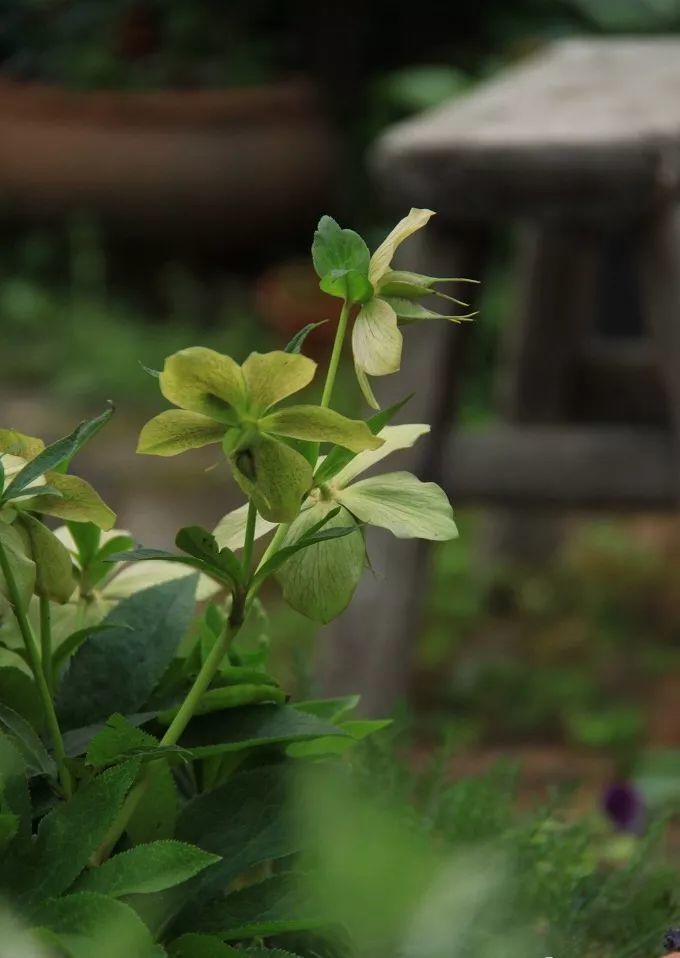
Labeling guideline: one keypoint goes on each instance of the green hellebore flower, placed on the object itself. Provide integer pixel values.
(320, 581)
(220, 401)
(376, 337)
(39, 559)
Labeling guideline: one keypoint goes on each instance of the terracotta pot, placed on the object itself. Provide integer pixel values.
(288, 297)
(236, 164)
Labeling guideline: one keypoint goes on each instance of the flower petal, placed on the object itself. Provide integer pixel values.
(376, 339)
(320, 581)
(365, 387)
(54, 578)
(323, 425)
(273, 475)
(404, 505)
(394, 438)
(78, 501)
(177, 430)
(381, 259)
(230, 531)
(203, 381)
(17, 444)
(23, 567)
(270, 377)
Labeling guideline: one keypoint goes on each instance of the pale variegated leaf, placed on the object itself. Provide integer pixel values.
(404, 505)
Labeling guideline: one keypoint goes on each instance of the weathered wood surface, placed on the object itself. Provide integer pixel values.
(586, 128)
(603, 467)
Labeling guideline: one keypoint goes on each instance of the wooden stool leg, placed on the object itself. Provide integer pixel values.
(369, 648)
(660, 264)
(556, 302)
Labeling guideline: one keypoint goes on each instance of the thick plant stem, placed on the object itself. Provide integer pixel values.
(335, 356)
(249, 540)
(33, 654)
(46, 642)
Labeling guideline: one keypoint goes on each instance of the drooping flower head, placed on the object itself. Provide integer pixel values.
(387, 298)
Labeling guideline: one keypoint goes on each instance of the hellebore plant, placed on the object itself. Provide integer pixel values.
(146, 752)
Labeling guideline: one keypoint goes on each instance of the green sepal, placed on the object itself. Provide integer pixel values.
(347, 284)
(54, 577)
(273, 475)
(334, 248)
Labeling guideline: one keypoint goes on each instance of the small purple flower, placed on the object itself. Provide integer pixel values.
(622, 803)
(671, 940)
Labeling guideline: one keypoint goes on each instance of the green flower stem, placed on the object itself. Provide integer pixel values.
(31, 645)
(46, 642)
(250, 539)
(335, 355)
(175, 729)
(276, 541)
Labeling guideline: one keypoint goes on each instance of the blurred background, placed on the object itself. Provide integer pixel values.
(162, 169)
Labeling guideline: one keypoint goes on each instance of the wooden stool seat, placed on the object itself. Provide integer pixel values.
(590, 127)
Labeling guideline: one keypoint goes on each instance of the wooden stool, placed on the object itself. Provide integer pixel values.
(581, 145)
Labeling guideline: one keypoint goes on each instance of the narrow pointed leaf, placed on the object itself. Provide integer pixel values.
(296, 343)
(34, 753)
(201, 544)
(146, 869)
(60, 452)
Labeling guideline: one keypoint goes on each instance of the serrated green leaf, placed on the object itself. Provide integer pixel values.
(14, 787)
(296, 343)
(147, 869)
(336, 248)
(320, 581)
(178, 430)
(323, 425)
(245, 821)
(274, 906)
(252, 726)
(70, 497)
(119, 741)
(155, 818)
(88, 925)
(339, 457)
(34, 753)
(70, 834)
(54, 577)
(117, 670)
(204, 946)
(403, 504)
(60, 452)
(271, 377)
(72, 642)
